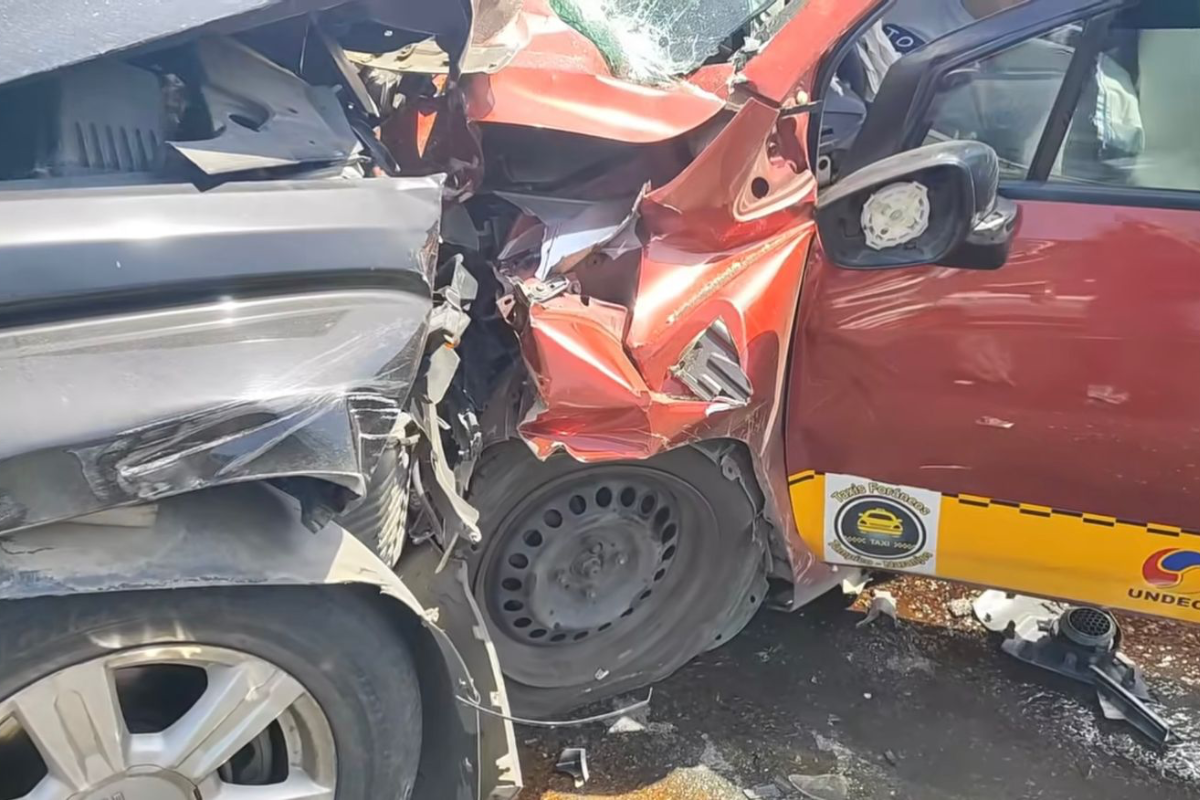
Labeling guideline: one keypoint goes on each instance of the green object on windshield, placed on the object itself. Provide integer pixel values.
(653, 41)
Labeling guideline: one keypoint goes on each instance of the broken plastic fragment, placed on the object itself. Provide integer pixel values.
(821, 787)
(264, 115)
(573, 762)
(573, 229)
(881, 603)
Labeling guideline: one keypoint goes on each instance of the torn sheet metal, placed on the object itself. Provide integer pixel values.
(710, 367)
(263, 115)
(574, 229)
(603, 373)
(727, 240)
(499, 33)
(561, 81)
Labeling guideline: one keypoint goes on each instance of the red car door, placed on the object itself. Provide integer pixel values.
(1040, 422)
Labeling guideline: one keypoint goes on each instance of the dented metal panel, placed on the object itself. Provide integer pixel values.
(727, 242)
(269, 332)
(560, 80)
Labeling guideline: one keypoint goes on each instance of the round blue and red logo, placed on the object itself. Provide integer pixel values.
(1169, 568)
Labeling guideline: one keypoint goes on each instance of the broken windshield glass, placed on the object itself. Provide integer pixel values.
(653, 40)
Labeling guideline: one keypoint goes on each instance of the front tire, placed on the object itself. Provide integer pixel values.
(203, 692)
(596, 579)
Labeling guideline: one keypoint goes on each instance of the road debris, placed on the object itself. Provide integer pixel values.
(626, 725)
(857, 584)
(882, 602)
(821, 787)
(768, 791)
(573, 761)
(1078, 642)
(959, 607)
(997, 610)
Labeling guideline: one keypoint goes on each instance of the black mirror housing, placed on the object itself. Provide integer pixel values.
(936, 204)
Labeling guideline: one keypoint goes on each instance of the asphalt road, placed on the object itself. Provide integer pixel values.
(928, 709)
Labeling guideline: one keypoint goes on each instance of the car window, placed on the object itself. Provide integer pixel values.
(1004, 100)
(1137, 119)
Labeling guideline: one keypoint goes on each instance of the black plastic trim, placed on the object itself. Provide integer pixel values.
(825, 73)
(1082, 66)
(911, 83)
(1118, 196)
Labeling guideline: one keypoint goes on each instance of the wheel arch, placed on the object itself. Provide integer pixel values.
(252, 535)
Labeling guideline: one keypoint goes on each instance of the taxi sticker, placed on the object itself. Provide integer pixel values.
(880, 525)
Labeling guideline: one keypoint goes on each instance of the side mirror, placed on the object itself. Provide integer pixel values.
(933, 205)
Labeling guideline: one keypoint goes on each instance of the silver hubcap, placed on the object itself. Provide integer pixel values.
(179, 722)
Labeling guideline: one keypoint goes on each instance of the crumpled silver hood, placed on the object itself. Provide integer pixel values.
(36, 37)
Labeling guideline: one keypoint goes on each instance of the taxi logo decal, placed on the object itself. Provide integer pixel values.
(873, 524)
(1166, 569)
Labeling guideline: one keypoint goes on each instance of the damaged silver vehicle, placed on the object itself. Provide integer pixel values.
(225, 319)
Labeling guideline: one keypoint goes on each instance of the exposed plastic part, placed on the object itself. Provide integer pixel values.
(895, 215)
(998, 610)
(573, 761)
(263, 115)
(1078, 642)
(100, 119)
(452, 515)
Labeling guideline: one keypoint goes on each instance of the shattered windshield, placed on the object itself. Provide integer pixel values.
(653, 40)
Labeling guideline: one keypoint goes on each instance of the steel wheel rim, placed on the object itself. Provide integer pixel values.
(78, 723)
(625, 606)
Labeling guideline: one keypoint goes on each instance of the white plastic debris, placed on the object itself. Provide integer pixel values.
(573, 762)
(882, 602)
(895, 215)
(821, 787)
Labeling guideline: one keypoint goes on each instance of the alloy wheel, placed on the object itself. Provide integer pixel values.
(174, 722)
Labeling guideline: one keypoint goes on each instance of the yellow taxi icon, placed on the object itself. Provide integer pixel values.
(879, 521)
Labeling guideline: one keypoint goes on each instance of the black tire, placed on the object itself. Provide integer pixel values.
(333, 640)
(700, 602)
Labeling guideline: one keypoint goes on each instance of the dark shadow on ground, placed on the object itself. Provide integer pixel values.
(918, 710)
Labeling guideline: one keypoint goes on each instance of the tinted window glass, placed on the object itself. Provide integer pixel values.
(1138, 117)
(1005, 99)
